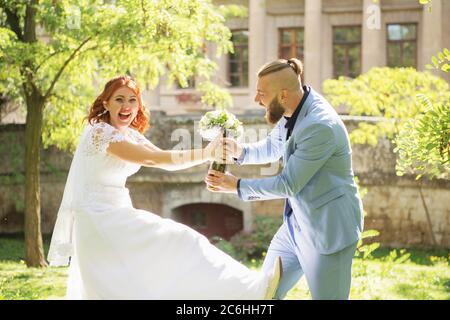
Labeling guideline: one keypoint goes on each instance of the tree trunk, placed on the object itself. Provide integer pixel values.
(427, 213)
(34, 249)
(33, 237)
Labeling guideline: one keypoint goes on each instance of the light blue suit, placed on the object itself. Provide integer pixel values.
(319, 238)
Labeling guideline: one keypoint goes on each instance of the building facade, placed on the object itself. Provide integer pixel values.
(333, 37)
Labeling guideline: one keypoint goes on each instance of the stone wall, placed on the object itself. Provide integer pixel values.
(393, 204)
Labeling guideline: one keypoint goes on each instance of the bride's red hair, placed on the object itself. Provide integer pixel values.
(97, 114)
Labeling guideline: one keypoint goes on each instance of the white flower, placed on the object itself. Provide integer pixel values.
(213, 122)
(210, 134)
(230, 122)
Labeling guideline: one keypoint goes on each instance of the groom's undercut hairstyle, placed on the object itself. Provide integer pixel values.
(287, 74)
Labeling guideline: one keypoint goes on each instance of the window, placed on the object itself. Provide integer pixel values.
(402, 45)
(291, 43)
(347, 51)
(238, 61)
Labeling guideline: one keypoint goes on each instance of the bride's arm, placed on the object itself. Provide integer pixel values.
(149, 155)
(151, 146)
(168, 167)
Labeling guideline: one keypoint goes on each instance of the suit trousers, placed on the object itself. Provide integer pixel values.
(328, 276)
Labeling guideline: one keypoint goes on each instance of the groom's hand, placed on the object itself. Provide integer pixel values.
(221, 182)
(232, 147)
(216, 151)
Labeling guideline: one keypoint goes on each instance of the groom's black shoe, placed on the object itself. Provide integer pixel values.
(274, 279)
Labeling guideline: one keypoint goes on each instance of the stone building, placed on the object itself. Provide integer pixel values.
(334, 38)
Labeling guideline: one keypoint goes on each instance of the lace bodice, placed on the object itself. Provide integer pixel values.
(96, 181)
(101, 168)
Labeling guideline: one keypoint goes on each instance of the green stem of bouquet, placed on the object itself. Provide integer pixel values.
(218, 166)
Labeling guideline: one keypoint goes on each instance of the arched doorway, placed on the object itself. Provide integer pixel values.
(211, 219)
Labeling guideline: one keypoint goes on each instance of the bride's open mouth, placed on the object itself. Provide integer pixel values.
(124, 116)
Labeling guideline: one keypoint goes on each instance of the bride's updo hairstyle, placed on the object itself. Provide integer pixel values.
(98, 112)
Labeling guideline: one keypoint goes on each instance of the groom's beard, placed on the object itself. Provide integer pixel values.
(274, 112)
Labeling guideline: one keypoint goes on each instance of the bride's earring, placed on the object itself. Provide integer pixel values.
(104, 112)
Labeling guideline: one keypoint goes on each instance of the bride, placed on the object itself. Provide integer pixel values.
(118, 252)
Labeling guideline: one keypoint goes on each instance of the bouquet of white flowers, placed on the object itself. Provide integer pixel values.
(219, 122)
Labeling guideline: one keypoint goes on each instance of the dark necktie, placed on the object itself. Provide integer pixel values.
(287, 205)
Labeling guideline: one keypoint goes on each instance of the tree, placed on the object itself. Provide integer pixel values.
(423, 144)
(52, 52)
(390, 94)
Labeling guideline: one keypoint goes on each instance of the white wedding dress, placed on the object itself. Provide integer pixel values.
(119, 252)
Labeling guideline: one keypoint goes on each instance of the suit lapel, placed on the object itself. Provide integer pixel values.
(289, 149)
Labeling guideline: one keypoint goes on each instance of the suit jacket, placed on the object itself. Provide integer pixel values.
(317, 177)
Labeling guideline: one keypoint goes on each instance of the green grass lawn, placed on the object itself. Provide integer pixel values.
(19, 282)
(389, 274)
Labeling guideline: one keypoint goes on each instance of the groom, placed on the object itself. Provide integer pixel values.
(323, 214)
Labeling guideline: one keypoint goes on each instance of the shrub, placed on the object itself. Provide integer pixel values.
(246, 246)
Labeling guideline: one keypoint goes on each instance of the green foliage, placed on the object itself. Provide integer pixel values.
(81, 44)
(248, 246)
(366, 250)
(387, 93)
(213, 95)
(423, 144)
(233, 11)
(425, 2)
(441, 61)
(363, 249)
